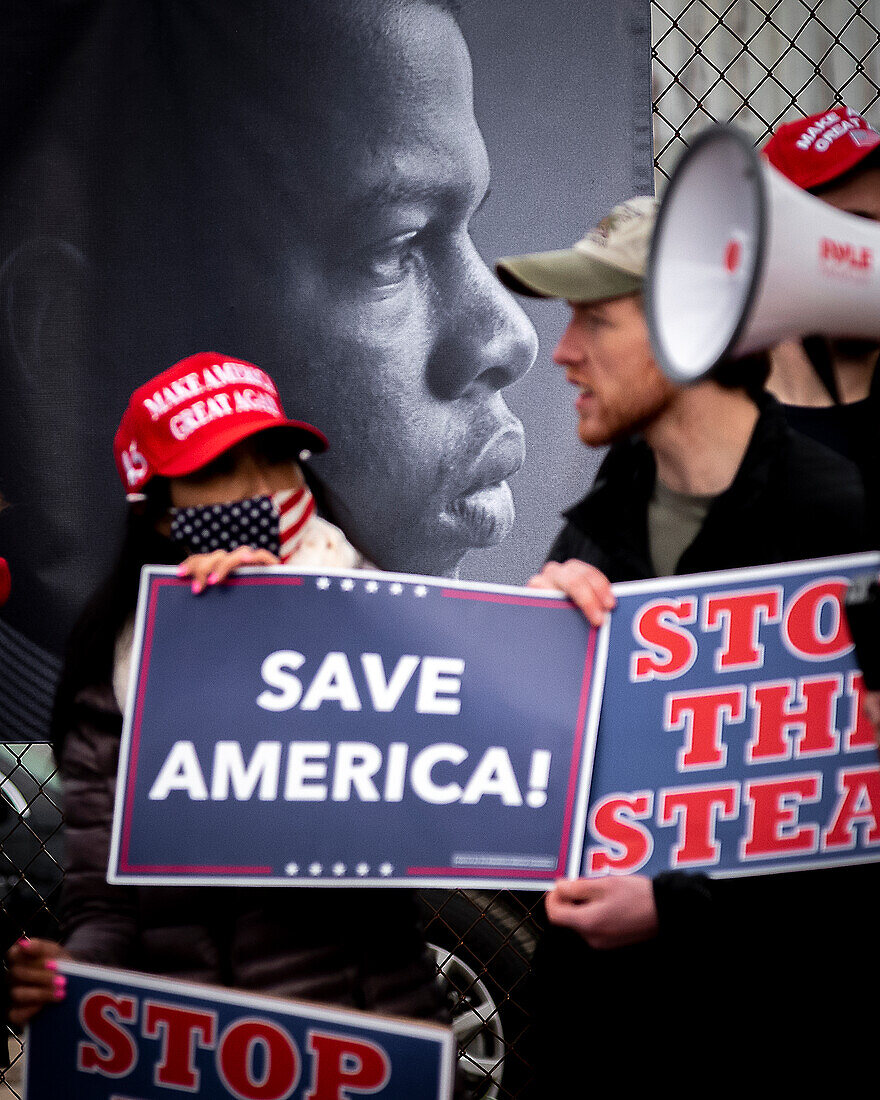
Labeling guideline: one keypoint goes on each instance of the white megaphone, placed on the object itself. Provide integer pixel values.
(741, 258)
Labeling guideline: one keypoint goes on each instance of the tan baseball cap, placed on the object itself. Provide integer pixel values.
(608, 262)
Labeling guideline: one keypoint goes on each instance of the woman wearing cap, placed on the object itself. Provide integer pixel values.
(206, 455)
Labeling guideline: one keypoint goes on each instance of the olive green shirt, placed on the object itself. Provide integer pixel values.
(673, 522)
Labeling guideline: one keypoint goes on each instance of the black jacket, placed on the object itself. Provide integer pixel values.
(791, 499)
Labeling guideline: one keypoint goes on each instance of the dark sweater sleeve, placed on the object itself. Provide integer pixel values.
(686, 910)
(565, 545)
(98, 920)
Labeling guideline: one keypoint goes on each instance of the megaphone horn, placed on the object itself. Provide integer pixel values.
(741, 258)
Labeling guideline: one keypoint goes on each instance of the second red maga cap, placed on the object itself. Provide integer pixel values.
(194, 411)
(5, 582)
(816, 150)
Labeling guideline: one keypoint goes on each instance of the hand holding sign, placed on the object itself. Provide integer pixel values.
(585, 585)
(206, 570)
(607, 913)
(33, 977)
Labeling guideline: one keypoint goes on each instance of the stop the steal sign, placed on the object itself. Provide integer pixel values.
(742, 747)
(124, 1036)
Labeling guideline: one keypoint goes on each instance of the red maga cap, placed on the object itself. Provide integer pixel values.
(194, 411)
(5, 582)
(818, 149)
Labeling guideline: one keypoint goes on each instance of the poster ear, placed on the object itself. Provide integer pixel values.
(50, 441)
(42, 299)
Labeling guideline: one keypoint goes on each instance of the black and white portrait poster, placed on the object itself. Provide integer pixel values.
(320, 187)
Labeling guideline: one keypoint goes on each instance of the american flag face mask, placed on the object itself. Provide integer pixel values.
(274, 523)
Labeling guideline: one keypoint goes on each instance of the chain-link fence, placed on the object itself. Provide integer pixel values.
(756, 63)
(31, 857)
(742, 61)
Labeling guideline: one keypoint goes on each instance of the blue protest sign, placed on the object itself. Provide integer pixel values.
(119, 1035)
(352, 729)
(731, 739)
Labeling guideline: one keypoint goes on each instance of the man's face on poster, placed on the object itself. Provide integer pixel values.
(395, 337)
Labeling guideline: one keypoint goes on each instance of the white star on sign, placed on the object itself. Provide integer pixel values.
(395, 589)
(347, 584)
(292, 869)
(420, 590)
(338, 869)
(385, 869)
(372, 586)
(363, 869)
(315, 868)
(323, 582)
